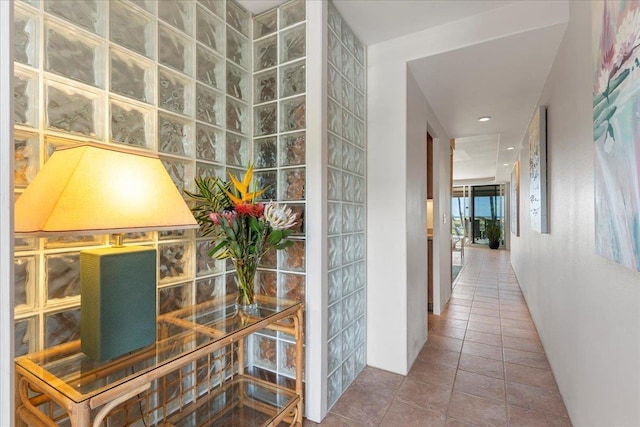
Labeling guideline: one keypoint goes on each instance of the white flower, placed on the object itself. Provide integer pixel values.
(279, 217)
(627, 37)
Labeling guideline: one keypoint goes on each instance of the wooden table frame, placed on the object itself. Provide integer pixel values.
(35, 386)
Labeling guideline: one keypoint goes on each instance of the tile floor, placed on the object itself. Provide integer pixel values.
(483, 364)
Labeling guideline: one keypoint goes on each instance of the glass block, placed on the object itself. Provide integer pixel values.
(358, 78)
(265, 152)
(174, 298)
(348, 183)
(73, 110)
(292, 184)
(292, 44)
(265, 119)
(359, 303)
(334, 390)
(334, 83)
(25, 280)
(267, 283)
(237, 116)
(347, 126)
(360, 356)
(148, 5)
(131, 29)
(269, 182)
(26, 158)
(359, 330)
(335, 319)
(360, 221)
(293, 114)
(62, 275)
(292, 286)
(265, 352)
(61, 327)
(210, 30)
(265, 24)
(215, 6)
(348, 65)
(138, 236)
(358, 161)
(348, 38)
(22, 244)
(209, 68)
(237, 49)
(292, 13)
(175, 134)
(180, 172)
(174, 261)
(358, 105)
(207, 170)
(347, 95)
(348, 218)
(347, 156)
(265, 53)
(237, 82)
(174, 234)
(174, 50)
(334, 187)
(177, 13)
(293, 257)
(334, 113)
(266, 86)
(348, 371)
(334, 349)
(334, 218)
(238, 18)
(358, 51)
(74, 56)
(269, 260)
(237, 150)
(292, 149)
(348, 279)
(174, 92)
(334, 51)
(25, 40)
(26, 333)
(131, 125)
(335, 20)
(359, 246)
(293, 79)
(209, 288)
(73, 241)
(287, 358)
(25, 98)
(209, 106)
(299, 210)
(335, 285)
(360, 275)
(88, 14)
(348, 309)
(334, 245)
(131, 77)
(348, 339)
(334, 150)
(209, 143)
(359, 191)
(358, 133)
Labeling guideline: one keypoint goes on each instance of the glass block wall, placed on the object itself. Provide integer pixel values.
(279, 146)
(346, 192)
(170, 77)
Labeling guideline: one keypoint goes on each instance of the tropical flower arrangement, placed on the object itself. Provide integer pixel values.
(240, 227)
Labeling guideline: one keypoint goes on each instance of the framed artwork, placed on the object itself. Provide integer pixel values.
(515, 199)
(616, 134)
(537, 134)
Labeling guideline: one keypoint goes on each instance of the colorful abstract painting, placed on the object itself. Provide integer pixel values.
(537, 134)
(616, 130)
(515, 199)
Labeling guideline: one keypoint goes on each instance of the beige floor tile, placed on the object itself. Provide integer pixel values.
(477, 410)
(379, 379)
(523, 344)
(362, 404)
(527, 375)
(401, 414)
(434, 397)
(444, 343)
(484, 311)
(481, 365)
(535, 360)
(483, 327)
(482, 350)
(489, 305)
(519, 417)
(480, 385)
(449, 331)
(491, 320)
(483, 338)
(519, 324)
(436, 355)
(536, 398)
(432, 372)
(332, 420)
(518, 333)
(457, 315)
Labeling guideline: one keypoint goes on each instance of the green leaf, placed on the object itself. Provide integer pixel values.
(618, 80)
(598, 131)
(283, 245)
(610, 131)
(275, 237)
(253, 223)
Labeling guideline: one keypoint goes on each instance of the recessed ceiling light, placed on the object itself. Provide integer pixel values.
(505, 164)
(511, 148)
(484, 118)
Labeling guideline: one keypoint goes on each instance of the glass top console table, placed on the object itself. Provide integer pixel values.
(196, 373)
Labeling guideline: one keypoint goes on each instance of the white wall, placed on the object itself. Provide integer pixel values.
(6, 214)
(388, 324)
(416, 231)
(586, 308)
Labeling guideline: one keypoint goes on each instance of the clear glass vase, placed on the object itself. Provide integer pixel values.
(246, 273)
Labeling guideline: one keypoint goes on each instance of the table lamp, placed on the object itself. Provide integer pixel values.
(91, 189)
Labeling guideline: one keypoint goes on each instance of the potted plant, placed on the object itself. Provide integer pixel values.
(493, 234)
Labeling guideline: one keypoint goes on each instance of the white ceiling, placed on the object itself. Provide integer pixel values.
(502, 78)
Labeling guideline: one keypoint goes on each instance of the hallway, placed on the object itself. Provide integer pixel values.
(483, 364)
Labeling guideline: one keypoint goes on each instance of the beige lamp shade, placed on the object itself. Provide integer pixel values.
(92, 189)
